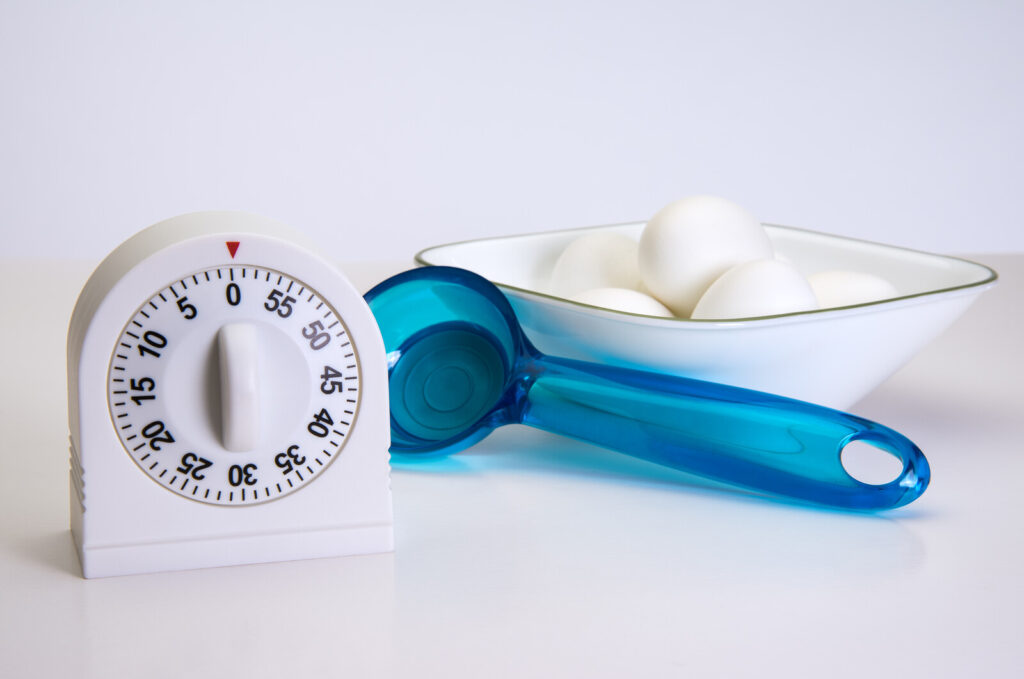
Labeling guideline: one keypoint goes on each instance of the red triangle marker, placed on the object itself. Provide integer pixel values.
(232, 247)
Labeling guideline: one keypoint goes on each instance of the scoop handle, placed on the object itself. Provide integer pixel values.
(737, 436)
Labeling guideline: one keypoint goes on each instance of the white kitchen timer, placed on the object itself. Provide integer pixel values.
(228, 403)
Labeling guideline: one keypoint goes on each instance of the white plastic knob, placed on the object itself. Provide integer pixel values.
(238, 348)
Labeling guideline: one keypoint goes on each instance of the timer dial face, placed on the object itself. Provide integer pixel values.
(283, 422)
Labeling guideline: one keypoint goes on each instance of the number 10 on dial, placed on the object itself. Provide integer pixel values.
(246, 405)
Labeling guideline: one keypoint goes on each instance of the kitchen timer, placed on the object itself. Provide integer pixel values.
(228, 403)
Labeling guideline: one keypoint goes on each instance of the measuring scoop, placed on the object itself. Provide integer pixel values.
(460, 365)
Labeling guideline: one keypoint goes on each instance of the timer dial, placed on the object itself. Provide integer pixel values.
(234, 385)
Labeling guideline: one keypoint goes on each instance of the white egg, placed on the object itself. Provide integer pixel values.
(764, 287)
(596, 260)
(622, 299)
(691, 242)
(837, 288)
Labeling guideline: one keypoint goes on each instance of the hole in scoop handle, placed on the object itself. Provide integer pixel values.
(728, 434)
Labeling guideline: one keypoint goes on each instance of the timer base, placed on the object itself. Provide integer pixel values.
(153, 557)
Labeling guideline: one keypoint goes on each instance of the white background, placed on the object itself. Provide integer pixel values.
(385, 127)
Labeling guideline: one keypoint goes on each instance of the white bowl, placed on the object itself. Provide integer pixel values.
(830, 356)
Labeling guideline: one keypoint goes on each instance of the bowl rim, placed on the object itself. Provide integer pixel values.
(990, 279)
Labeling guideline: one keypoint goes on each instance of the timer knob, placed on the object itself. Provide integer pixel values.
(238, 351)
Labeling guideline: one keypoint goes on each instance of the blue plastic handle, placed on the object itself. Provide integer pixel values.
(460, 365)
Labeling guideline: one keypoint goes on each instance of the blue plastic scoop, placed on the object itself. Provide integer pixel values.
(460, 365)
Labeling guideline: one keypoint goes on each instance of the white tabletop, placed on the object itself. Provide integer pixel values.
(530, 555)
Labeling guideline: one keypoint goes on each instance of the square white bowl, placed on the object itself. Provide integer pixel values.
(831, 356)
